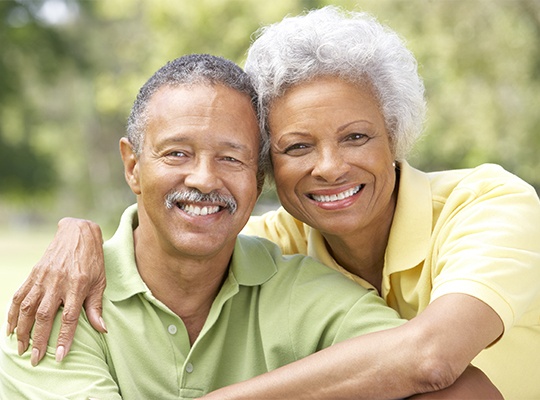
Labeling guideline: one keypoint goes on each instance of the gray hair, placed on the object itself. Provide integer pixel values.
(350, 45)
(193, 69)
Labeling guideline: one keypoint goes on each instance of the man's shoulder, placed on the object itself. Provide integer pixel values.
(281, 228)
(264, 250)
(293, 269)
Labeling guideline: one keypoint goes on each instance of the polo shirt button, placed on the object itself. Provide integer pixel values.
(172, 329)
(189, 368)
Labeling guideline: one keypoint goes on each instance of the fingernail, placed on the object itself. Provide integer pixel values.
(8, 329)
(34, 359)
(60, 353)
(21, 347)
(103, 324)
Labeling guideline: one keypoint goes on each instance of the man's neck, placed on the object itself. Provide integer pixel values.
(187, 285)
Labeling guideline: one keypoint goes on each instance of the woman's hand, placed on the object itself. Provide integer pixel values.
(70, 273)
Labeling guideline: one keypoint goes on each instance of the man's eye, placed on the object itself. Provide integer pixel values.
(177, 154)
(231, 159)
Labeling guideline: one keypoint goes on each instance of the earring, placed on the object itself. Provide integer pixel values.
(394, 164)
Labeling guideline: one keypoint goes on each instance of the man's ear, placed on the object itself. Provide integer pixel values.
(131, 165)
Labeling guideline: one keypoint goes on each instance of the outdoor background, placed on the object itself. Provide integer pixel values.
(70, 70)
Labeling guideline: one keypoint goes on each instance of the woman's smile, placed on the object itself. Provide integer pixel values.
(332, 199)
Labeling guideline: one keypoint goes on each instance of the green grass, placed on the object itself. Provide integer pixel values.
(19, 251)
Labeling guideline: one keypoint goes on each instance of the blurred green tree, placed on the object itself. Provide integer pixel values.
(36, 57)
(70, 70)
(24, 169)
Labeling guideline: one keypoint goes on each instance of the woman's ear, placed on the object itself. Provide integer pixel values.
(131, 165)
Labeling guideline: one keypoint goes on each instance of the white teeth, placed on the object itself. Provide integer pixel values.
(197, 211)
(336, 197)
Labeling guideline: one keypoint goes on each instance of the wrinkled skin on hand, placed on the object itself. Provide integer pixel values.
(473, 384)
(70, 273)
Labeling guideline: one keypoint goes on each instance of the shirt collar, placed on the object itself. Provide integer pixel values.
(411, 227)
(252, 263)
(123, 279)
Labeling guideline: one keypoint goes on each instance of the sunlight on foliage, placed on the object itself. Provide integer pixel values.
(70, 71)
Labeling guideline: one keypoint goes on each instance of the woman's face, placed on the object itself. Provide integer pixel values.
(332, 156)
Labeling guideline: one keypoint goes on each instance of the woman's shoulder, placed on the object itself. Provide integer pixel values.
(481, 179)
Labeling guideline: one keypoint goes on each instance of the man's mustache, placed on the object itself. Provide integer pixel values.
(196, 196)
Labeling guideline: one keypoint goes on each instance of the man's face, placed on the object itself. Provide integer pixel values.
(200, 140)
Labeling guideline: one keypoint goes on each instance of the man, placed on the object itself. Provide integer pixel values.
(191, 306)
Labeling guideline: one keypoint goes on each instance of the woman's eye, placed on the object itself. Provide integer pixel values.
(357, 138)
(296, 149)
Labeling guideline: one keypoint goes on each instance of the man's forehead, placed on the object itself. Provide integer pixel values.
(172, 89)
(199, 96)
(190, 114)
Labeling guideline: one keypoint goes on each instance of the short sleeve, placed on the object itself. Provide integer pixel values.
(82, 374)
(489, 245)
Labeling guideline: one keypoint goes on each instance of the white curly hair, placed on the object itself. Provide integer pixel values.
(351, 45)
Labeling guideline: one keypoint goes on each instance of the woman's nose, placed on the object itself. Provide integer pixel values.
(330, 165)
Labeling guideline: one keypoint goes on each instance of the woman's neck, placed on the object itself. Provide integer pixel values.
(360, 256)
(362, 253)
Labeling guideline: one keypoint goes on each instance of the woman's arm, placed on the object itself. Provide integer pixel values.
(426, 354)
(473, 384)
(71, 272)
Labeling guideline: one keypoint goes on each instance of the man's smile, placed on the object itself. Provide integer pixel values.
(195, 210)
(195, 203)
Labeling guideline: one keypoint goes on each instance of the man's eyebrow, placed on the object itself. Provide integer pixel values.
(224, 143)
(235, 145)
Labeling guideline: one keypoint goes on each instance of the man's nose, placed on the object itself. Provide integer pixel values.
(203, 175)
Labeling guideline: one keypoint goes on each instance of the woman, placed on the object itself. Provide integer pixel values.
(455, 252)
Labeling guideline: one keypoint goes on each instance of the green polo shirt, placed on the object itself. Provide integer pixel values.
(271, 310)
